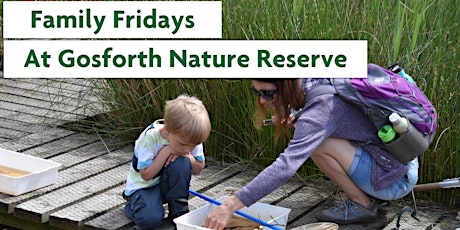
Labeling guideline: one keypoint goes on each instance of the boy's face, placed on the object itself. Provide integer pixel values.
(180, 145)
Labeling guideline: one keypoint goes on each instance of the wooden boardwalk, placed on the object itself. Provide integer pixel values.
(87, 193)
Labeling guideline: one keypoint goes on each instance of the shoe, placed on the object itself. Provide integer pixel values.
(349, 212)
(177, 208)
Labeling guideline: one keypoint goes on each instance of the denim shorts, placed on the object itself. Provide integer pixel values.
(360, 172)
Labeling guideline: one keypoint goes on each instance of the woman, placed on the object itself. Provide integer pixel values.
(340, 140)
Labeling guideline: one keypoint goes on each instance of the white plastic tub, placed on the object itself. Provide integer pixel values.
(37, 172)
(270, 214)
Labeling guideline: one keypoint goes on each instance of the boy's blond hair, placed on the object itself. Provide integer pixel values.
(186, 116)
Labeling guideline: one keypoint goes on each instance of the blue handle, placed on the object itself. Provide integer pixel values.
(237, 212)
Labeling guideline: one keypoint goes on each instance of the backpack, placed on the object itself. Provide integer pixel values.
(382, 93)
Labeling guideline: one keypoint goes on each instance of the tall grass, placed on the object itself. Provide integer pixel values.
(135, 103)
(423, 35)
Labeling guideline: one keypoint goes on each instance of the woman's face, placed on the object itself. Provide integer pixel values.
(265, 88)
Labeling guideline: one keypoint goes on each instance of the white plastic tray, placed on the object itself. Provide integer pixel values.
(271, 214)
(41, 172)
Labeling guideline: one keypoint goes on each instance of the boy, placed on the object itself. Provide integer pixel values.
(166, 154)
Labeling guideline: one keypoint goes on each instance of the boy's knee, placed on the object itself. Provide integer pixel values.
(180, 164)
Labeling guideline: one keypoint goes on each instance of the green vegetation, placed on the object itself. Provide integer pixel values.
(423, 35)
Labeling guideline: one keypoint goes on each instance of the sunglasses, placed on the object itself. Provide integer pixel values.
(265, 94)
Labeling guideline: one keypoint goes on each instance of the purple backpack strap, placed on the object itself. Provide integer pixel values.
(320, 90)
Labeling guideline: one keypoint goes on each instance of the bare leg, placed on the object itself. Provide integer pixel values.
(334, 158)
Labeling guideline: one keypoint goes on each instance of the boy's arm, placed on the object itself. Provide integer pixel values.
(157, 164)
(197, 166)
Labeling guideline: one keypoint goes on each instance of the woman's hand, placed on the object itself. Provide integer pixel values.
(219, 217)
(290, 122)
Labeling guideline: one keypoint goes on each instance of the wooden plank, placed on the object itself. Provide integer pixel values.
(36, 139)
(79, 96)
(281, 192)
(11, 133)
(137, 228)
(76, 102)
(7, 113)
(21, 126)
(79, 81)
(33, 85)
(71, 175)
(68, 88)
(39, 208)
(427, 216)
(50, 86)
(386, 213)
(212, 174)
(3, 140)
(74, 216)
(450, 220)
(75, 84)
(82, 154)
(55, 106)
(61, 145)
(89, 86)
(39, 85)
(30, 118)
(115, 219)
(84, 82)
(304, 199)
(40, 111)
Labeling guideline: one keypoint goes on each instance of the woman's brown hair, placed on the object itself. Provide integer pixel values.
(289, 96)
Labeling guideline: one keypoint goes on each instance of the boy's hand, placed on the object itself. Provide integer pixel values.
(173, 157)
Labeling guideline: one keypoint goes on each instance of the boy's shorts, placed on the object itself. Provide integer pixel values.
(360, 172)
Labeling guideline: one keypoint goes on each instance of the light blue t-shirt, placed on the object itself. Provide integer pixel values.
(146, 148)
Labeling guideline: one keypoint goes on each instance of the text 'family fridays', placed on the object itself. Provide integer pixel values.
(85, 19)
